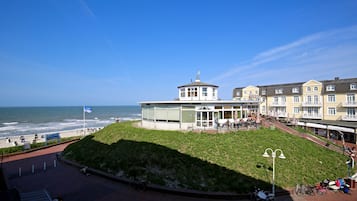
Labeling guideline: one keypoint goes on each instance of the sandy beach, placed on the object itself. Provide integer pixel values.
(20, 140)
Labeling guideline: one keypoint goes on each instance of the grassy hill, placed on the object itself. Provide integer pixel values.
(229, 162)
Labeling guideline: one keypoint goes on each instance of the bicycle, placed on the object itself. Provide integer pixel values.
(302, 189)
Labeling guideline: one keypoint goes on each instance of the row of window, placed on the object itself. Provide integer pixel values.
(331, 87)
(331, 98)
(353, 86)
(331, 111)
(193, 92)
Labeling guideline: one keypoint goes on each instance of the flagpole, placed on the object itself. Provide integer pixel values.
(84, 121)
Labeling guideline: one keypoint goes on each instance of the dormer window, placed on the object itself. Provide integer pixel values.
(308, 89)
(279, 91)
(237, 93)
(316, 88)
(330, 88)
(264, 92)
(295, 90)
(353, 86)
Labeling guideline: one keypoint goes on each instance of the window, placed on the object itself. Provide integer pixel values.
(309, 99)
(296, 110)
(351, 98)
(308, 89)
(296, 99)
(316, 99)
(351, 112)
(192, 92)
(264, 92)
(204, 91)
(316, 88)
(295, 90)
(331, 98)
(276, 99)
(238, 93)
(330, 88)
(182, 92)
(279, 91)
(331, 111)
(353, 86)
(283, 99)
(214, 92)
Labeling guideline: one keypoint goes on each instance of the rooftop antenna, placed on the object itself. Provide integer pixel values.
(198, 77)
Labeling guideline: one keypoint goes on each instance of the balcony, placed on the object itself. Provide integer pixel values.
(349, 118)
(312, 104)
(349, 104)
(312, 116)
(278, 104)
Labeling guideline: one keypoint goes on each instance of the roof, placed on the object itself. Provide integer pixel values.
(331, 122)
(200, 84)
(200, 102)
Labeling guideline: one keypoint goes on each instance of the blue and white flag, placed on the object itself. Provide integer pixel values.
(87, 109)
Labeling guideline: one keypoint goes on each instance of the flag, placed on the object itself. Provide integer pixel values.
(87, 109)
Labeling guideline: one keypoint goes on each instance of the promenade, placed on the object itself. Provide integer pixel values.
(67, 182)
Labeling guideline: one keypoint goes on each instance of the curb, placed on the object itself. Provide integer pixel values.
(38, 148)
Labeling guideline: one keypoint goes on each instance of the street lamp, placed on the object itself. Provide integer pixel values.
(273, 155)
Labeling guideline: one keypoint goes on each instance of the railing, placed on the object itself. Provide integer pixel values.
(312, 116)
(349, 104)
(349, 118)
(311, 104)
(278, 104)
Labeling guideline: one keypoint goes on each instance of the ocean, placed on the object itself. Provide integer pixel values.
(16, 121)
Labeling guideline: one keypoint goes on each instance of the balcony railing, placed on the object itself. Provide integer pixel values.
(312, 116)
(278, 104)
(312, 104)
(349, 118)
(349, 104)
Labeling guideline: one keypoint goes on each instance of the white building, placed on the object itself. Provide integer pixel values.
(198, 107)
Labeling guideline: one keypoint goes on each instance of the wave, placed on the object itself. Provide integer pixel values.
(10, 123)
(25, 128)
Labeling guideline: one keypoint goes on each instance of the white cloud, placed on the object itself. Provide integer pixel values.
(323, 55)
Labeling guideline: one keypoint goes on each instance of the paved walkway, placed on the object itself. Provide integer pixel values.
(68, 183)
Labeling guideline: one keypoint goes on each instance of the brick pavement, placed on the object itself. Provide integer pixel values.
(68, 183)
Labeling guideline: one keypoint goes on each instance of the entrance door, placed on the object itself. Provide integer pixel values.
(204, 119)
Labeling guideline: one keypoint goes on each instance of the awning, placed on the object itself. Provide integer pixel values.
(338, 128)
(300, 123)
(313, 125)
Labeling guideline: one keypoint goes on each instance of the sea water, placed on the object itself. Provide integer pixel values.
(16, 121)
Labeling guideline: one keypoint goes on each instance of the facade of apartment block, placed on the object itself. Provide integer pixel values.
(326, 107)
(317, 100)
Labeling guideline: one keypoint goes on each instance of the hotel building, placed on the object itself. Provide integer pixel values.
(327, 107)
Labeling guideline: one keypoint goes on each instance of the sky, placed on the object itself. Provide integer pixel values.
(121, 52)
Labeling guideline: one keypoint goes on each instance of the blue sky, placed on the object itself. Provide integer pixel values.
(91, 52)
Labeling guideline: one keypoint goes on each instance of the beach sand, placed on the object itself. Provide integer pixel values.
(10, 140)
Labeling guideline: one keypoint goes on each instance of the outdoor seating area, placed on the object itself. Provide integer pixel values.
(235, 124)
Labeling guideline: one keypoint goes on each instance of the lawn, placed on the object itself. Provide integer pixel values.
(229, 162)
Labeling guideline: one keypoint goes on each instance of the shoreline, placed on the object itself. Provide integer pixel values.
(20, 140)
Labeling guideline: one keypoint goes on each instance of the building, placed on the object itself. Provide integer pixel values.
(327, 107)
(197, 107)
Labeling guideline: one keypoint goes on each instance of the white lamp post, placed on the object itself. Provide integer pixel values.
(273, 155)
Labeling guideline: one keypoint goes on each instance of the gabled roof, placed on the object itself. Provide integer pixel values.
(198, 84)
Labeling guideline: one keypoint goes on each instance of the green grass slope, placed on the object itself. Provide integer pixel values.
(229, 162)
